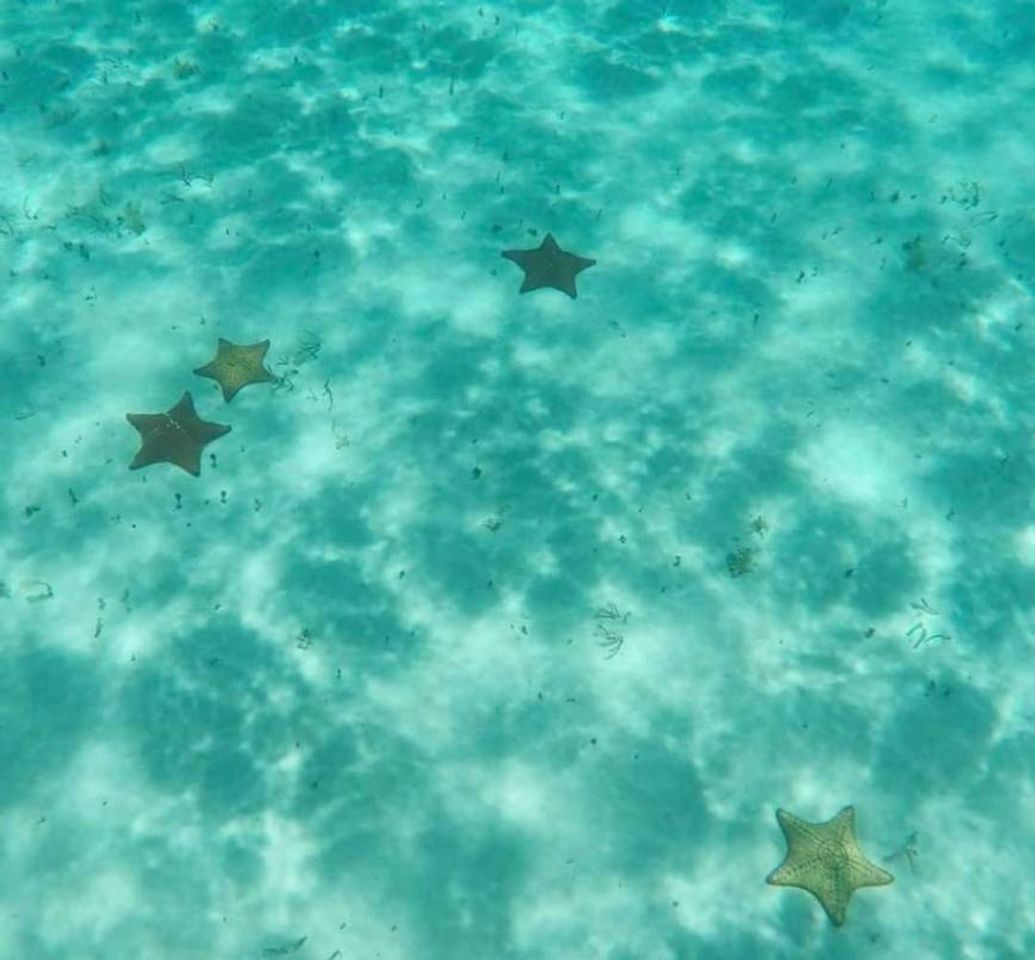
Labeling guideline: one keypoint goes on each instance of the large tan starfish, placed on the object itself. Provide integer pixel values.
(825, 859)
(176, 436)
(236, 365)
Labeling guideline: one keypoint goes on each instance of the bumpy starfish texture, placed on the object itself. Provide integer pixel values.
(176, 436)
(549, 266)
(825, 859)
(236, 365)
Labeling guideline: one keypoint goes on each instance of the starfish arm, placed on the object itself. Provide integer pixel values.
(835, 908)
(184, 410)
(187, 458)
(144, 458)
(258, 353)
(150, 426)
(145, 422)
(520, 257)
(215, 370)
(862, 873)
(564, 279)
(168, 447)
(204, 431)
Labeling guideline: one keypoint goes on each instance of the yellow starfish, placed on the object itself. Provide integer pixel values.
(237, 365)
(825, 859)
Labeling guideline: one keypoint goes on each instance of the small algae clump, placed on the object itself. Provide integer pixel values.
(741, 561)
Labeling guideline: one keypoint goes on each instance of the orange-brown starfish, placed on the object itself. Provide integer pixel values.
(176, 436)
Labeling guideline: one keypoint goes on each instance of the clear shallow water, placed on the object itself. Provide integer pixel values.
(501, 624)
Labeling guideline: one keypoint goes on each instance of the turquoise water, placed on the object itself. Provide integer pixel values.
(500, 624)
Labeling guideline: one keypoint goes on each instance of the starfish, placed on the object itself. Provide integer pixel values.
(237, 365)
(175, 436)
(549, 266)
(825, 860)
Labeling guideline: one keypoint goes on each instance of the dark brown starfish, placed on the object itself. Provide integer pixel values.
(236, 365)
(176, 436)
(549, 266)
